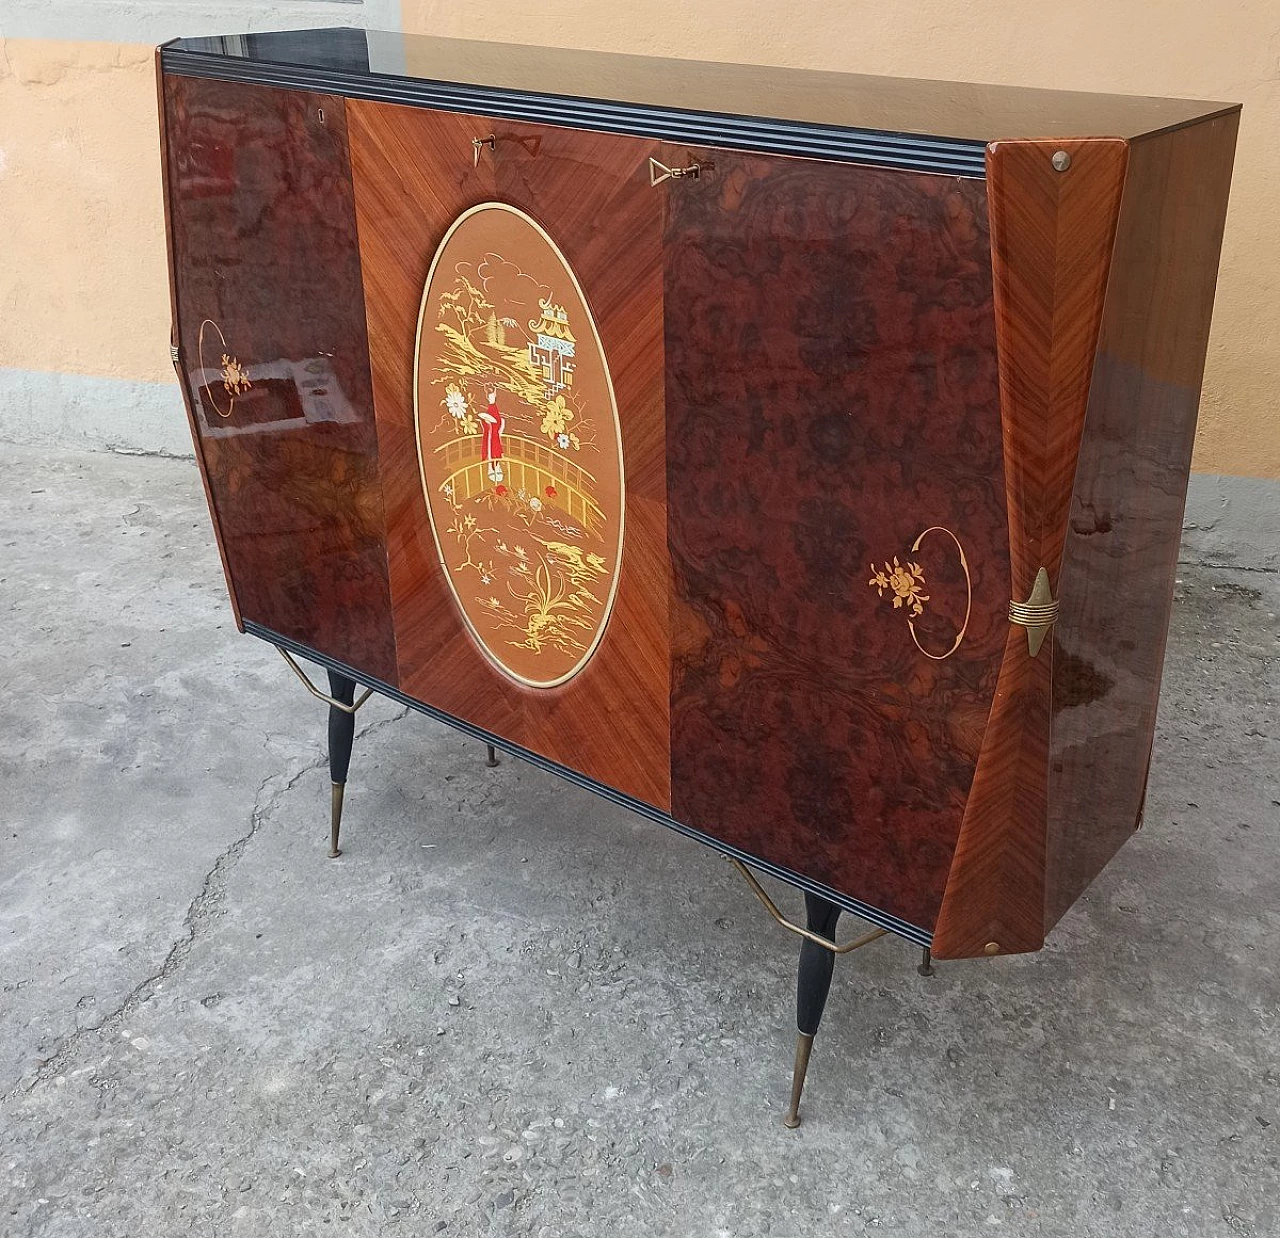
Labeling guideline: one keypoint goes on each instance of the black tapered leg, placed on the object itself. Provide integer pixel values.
(342, 731)
(492, 758)
(926, 961)
(813, 983)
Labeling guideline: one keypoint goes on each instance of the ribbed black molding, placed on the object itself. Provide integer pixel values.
(899, 927)
(949, 156)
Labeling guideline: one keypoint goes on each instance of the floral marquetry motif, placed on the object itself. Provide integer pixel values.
(234, 379)
(519, 445)
(234, 376)
(905, 583)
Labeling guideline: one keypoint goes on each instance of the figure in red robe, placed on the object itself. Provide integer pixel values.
(491, 440)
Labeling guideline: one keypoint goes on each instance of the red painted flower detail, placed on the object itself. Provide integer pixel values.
(500, 490)
(551, 492)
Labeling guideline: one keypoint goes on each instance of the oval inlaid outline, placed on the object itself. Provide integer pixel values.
(968, 605)
(607, 614)
(204, 369)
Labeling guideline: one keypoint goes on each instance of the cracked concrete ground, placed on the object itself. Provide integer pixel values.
(514, 1009)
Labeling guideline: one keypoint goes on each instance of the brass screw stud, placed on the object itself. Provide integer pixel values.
(992, 947)
(1061, 161)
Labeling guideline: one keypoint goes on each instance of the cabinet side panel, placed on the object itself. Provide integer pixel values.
(416, 171)
(832, 418)
(275, 360)
(1126, 512)
(175, 339)
(1052, 232)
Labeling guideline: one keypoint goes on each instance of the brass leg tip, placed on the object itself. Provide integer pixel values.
(335, 820)
(804, 1046)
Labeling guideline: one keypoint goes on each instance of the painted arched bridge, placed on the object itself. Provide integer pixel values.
(526, 465)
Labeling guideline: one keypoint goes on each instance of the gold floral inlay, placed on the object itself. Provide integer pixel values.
(220, 396)
(234, 379)
(905, 583)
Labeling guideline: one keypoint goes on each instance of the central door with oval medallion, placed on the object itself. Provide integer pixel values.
(513, 288)
(519, 445)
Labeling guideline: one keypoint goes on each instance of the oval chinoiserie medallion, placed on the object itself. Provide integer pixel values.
(519, 445)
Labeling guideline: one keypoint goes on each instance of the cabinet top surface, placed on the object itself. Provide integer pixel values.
(646, 90)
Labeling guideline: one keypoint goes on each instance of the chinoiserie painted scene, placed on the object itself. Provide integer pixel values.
(519, 445)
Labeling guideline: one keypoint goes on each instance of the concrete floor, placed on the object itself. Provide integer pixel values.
(512, 1008)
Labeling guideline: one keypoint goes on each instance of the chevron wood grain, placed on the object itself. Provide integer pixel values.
(1052, 235)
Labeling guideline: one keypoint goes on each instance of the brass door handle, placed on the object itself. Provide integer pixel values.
(659, 172)
(1037, 614)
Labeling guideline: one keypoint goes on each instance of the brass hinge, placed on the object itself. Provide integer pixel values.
(1037, 614)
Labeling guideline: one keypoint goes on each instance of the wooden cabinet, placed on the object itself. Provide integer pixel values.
(796, 458)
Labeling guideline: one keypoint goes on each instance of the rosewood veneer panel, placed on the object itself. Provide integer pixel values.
(1051, 240)
(1125, 526)
(267, 275)
(831, 395)
(414, 175)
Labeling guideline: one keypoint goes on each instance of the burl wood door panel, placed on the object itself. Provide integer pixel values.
(836, 512)
(272, 348)
(492, 535)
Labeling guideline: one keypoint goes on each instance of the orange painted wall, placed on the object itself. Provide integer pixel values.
(83, 288)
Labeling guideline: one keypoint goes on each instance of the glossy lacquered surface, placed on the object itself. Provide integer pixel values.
(645, 90)
(832, 412)
(1124, 530)
(856, 410)
(519, 445)
(271, 339)
(1051, 233)
(415, 174)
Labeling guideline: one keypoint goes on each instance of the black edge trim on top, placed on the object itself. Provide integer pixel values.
(863, 910)
(912, 152)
